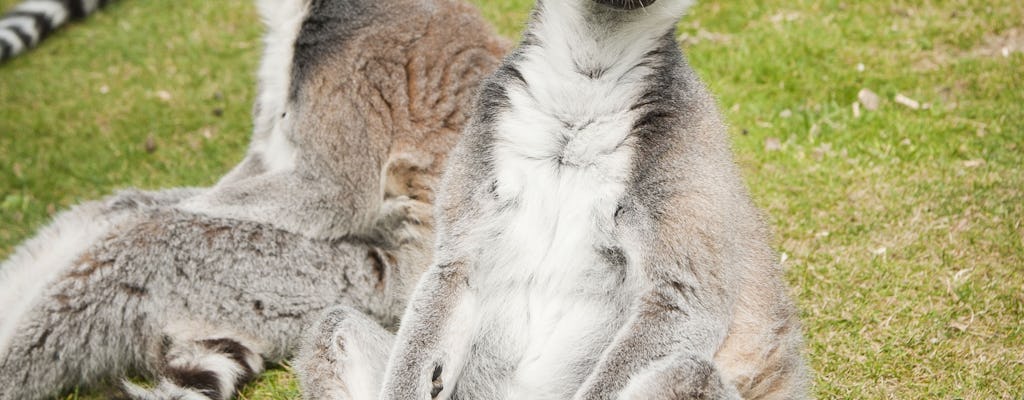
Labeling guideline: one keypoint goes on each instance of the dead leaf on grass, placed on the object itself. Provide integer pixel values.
(164, 95)
(703, 35)
(974, 163)
(959, 325)
(906, 101)
(784, 16)
(816, 129)
(821, 151)
(209, 132)
(961, 276)
(869, 99)
(960, 226)
(772, 144)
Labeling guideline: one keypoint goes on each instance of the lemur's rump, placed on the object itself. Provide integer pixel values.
(595, 239)
(359, 102)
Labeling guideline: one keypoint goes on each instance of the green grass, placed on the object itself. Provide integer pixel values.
(903, 229)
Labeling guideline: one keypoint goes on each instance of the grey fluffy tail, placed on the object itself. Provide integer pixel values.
(54, 354)
(31, 21)
(49, 355)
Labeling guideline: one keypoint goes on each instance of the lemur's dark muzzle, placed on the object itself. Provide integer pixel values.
(626, 4)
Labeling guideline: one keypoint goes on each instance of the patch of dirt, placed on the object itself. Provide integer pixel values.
(1011, 41)
(993, 46)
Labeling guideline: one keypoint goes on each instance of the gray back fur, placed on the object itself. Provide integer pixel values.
(368, 101)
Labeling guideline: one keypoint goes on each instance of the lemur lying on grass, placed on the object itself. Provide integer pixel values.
(359, 103)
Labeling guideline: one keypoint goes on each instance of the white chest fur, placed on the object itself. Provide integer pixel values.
(563, 171)
(548, 300)
(562, 159)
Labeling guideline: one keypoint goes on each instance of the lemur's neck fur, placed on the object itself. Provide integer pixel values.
(584, 73)
(596, 41)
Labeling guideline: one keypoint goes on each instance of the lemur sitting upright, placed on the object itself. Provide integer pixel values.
(594, 239)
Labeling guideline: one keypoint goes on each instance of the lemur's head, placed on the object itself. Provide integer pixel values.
(641, 9)
(626, 4)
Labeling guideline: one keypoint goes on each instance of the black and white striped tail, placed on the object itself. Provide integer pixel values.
(207, 369)
(31, 21)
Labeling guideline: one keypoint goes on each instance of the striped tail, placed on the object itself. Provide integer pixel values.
(211, 368)
(31, 21)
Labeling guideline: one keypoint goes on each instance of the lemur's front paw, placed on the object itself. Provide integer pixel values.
(342, 355)
(410, 174)
(435, 380)
(403, 220)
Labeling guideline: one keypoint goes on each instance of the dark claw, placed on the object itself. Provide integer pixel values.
(436, 380)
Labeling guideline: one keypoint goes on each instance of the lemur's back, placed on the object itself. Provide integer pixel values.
(406, 85)
(359, 101)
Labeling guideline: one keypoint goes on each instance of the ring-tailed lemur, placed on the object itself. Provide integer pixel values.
(359, 103)
(594, 239)
(31, 21)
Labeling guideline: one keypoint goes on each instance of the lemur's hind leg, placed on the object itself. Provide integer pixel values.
(679, 377)
(201, 364)
(343, 357)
